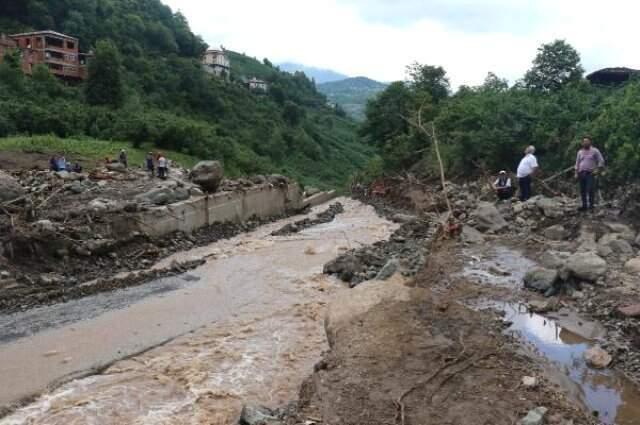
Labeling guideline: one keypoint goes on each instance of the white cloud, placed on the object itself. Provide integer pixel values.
(353, 36)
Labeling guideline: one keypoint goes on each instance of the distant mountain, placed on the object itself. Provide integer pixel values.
(352, 94)
(318, 74)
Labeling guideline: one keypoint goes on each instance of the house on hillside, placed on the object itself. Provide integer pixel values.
(612, 76)
(58, 52)
(257, 85)
(217, 63)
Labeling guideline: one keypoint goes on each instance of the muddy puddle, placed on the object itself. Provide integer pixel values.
(561, 338)
(246, 327)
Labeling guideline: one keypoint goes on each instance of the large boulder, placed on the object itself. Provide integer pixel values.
(540, 279)
(10, 189)
(488, 218)
(117, 167)
(259, 415)
(555, 233)
(208, 175)
(471, 236)
(633, 266)
(587, 266)
(550, 207)
(554, 259)
(625, 232)
(158, 196)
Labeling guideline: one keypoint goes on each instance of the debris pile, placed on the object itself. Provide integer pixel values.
(326, 216)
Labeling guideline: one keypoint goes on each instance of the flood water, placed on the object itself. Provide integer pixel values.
(246, 327)
(608, 394)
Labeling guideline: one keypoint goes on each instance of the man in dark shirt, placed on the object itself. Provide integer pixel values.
(589, 162)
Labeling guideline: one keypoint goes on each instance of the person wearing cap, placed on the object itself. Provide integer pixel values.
(526, 170)
(589, 162)
(502, 186)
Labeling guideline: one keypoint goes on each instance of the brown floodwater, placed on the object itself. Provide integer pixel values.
(245, 327)
(562, 340)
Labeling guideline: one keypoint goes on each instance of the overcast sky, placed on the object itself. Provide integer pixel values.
(378, 38)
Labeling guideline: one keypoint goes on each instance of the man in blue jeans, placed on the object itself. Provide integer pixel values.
(527, 168)
(589, 162)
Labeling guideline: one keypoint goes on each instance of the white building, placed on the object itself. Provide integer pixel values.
(217, 63)
(255, 84)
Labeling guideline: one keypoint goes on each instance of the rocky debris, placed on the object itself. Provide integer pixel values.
(586, 266)
(555, 233)
(208, 175)
(10, 188)
(624, 231)
(597, 358)
(44, 226)
(542, 306)
(310, 191)
(403, 218)
(327, 216)
(540, 279)
(471, 236)
(69, 176)
(278, 180)
(259, 415)
(388, 270)
(404, 249)
(551, 207)
(534, 417)
(488, 218)
(116, 167)
(629, 311)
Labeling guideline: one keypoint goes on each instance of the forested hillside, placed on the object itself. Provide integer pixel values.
(352, 94)
(146, 85)
(486, 128)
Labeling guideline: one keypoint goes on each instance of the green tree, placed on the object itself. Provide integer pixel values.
(386, 114)
(429, 80)
(105, 85)
(555, 65)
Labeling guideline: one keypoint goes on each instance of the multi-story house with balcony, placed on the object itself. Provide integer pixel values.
(216, 62)
(58, 52)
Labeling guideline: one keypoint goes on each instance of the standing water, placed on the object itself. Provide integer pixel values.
(246, 327)
(611, 397)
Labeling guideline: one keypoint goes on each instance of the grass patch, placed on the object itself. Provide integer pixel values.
(88, 149)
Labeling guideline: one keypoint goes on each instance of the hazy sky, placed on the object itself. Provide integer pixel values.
(378, 38)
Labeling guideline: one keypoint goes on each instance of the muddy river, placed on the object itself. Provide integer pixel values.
(247, 326)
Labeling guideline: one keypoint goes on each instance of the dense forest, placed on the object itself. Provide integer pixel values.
(146, 85)
(486, 128)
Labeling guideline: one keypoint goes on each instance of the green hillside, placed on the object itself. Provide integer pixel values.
(352, 94)
(147, 87)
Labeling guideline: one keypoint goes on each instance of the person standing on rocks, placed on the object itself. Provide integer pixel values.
(123, 158)
(589, 162)
(150, 165)
(526, 170)
(162, 166)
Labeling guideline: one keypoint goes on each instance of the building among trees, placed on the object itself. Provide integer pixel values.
(216, 62)
(58, 52)
(612, 76)
(258, 85)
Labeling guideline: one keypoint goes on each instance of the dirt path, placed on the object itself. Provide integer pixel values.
(251, 320)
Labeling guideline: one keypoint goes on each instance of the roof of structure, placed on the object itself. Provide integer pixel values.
(46, 32)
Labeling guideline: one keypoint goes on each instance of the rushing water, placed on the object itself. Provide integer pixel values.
(245, 327)
(608, 394)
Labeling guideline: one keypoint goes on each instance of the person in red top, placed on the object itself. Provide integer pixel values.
(589, 162)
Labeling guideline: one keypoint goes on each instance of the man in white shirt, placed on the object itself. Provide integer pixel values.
(527, 168)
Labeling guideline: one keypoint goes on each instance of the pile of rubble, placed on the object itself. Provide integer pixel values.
(326, 216)
(403, 252)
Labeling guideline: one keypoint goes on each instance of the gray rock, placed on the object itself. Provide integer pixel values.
(597, 358)
(540, 279)
(68, 176)
(403, 218)
(76, 187)
(117, 167)
(45, 226)
(471, 235)
(388, 270)
(554, 259)
(194, 191)
(208, 175)
(259, 179)
(10, 189)
(633, 266)
(534, 417)
(310, 190)
(278, 180)
(158, 196)
(488, 218)
(555, 233)
(621, 246)
(181, 194)
(587, 266)
(346, 267)
(258, 415)
(625, 232)
(550, 207)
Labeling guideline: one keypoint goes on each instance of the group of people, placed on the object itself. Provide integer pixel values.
(60, 163)
(158, 161)
(589, 163)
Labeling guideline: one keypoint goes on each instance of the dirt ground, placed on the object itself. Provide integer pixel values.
(428, 360)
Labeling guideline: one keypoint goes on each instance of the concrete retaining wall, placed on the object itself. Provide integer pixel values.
(187, 216)
(319, 198)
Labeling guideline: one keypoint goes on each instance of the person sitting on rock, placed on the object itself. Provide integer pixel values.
(503, 187)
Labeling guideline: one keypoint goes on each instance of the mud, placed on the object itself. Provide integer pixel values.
(246, 326)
